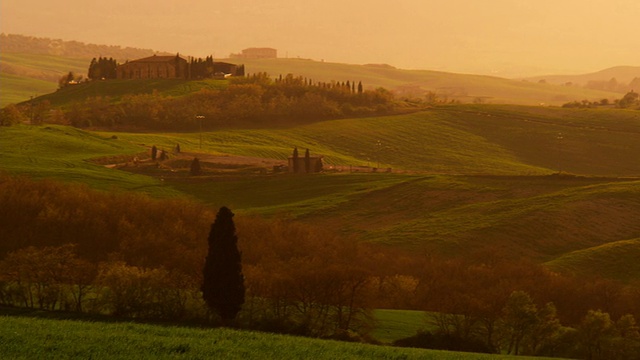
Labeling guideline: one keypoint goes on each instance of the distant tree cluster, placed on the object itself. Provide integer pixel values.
(12, 43)
(629, 101)
(613, 85)
(102, 68)
(207, 68)
(253, 100)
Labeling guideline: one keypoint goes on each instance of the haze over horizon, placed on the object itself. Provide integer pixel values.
(508, 38)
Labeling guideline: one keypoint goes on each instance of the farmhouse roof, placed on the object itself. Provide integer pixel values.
(156, 59)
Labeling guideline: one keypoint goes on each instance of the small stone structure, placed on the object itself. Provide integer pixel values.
(304, 164)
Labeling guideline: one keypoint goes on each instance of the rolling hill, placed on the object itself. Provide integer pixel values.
(465, 88)
(19, 69)
(464, 178)
(622, 74)
(616, 260)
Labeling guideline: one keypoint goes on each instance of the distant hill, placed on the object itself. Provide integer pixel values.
(626, 78)
(617, 260)
(466, 88)
(31, 66)
(25, 59)
(20, 44)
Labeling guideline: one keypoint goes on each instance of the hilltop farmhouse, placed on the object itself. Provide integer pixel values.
(153, 67)
(176, 67)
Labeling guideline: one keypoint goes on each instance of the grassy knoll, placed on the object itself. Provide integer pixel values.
(529, 217)
(62, 152)
(594, 141)
(43, 66)
(615, 260)
(22, 88)
(26, 75)
(31, 338)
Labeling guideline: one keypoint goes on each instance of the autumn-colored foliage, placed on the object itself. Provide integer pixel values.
(69, 247)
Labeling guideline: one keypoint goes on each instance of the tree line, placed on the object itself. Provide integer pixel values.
(73, 248)
(630, 100)
(13, 43)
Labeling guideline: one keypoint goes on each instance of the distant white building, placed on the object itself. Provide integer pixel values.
(256, 53)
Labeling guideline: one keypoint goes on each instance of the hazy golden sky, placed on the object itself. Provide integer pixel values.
(502, 37)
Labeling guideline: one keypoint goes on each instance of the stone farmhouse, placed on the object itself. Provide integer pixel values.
(154, 67)
(170, 67)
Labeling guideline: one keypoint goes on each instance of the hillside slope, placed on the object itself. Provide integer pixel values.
(465, 88)
(511, 198)
(47, 59)
(617, 260)
(622, 75)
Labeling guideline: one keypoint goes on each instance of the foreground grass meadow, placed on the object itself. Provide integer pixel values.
(35, 338)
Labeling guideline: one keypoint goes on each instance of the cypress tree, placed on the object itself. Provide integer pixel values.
(307, 162)
(223, 287)
(92, 69)
(195, 167)
(295, 160)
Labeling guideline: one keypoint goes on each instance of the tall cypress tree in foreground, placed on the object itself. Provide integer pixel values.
(223, 287)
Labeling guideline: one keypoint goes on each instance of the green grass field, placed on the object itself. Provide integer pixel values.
(22, 88)
(62, 153)
(496, 140)
(27, 75)
(34, 338)
(466, 173)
